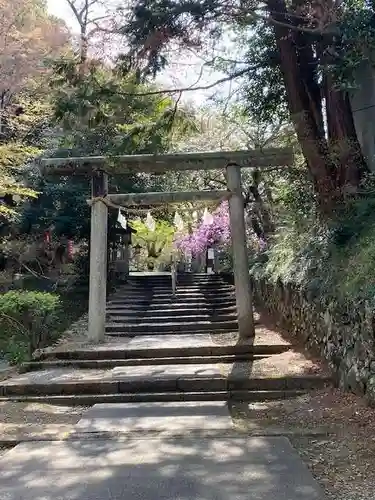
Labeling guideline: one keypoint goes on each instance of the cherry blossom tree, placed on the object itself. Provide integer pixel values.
(99, 24)
(28, 36)
(206, 234)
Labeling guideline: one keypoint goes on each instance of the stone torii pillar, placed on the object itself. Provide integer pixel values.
(240, 255)
(98, 258)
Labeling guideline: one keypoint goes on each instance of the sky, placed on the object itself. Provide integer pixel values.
(183, 72)
(61, 9)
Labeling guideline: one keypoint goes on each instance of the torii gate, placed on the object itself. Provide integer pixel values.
(100, 167)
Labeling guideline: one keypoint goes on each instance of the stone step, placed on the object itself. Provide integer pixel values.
(169, 300)
(157, 332)
(156, 347)
(167, 293)
(183, 284)
(155, 378)
(179, 292)
(100, 364)
(177, 417)
(92, 399)
(171, 327)
(212, 299)
(176, 302)
(170, 307)
(182, 276)
(183, 288)
(152, 319)
(177, 297)
(136, 312)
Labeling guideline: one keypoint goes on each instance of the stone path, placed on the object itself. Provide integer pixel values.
(170, 418)
(174, 438)
(167, 466)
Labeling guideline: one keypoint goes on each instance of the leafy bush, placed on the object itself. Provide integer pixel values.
(27, 320)
(332, 260)
(155, 246)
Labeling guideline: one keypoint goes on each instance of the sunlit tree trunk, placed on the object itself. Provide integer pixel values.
(334, 159)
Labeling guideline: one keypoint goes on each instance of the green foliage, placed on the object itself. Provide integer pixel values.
(283, 73)
(33, 127)
(27, 320)
(263, 89)
(99, 115)
(263, 92)
(293, 194)
(82, 264)
(101, 112)
(61, 206)
(13, 156)
(332, 260)
(16, 351)
(356, 43)
(157, 245)
(28, 121)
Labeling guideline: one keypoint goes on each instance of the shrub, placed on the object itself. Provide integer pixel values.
(333, 260)
(27, 319)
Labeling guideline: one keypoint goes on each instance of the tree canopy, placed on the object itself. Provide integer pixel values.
(294, 55)
(29, 38)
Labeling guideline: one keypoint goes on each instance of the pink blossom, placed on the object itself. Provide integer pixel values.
(262, 244)
(207, 235)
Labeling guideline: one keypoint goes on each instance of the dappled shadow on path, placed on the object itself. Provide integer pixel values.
(240, 371)
(167, 468)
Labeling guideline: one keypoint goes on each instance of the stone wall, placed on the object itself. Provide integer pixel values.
(344, 335)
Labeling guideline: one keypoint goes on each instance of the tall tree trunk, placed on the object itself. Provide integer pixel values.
(301, 106)
(259, 207)
(2, 112)
(343, 141)
(342, 137)
(308, 66)
(84, 48)
(334, 175)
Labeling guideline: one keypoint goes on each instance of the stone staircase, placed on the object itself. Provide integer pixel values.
(146, 306)
(164, 348)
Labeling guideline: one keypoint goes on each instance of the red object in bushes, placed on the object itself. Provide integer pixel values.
(47, 237)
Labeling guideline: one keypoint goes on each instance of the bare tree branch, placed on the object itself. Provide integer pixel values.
(78, 15)
(194, 88)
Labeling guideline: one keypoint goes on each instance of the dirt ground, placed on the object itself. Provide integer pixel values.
(19, 421)
(334, 433)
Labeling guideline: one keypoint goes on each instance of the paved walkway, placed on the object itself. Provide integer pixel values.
(160, 451)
